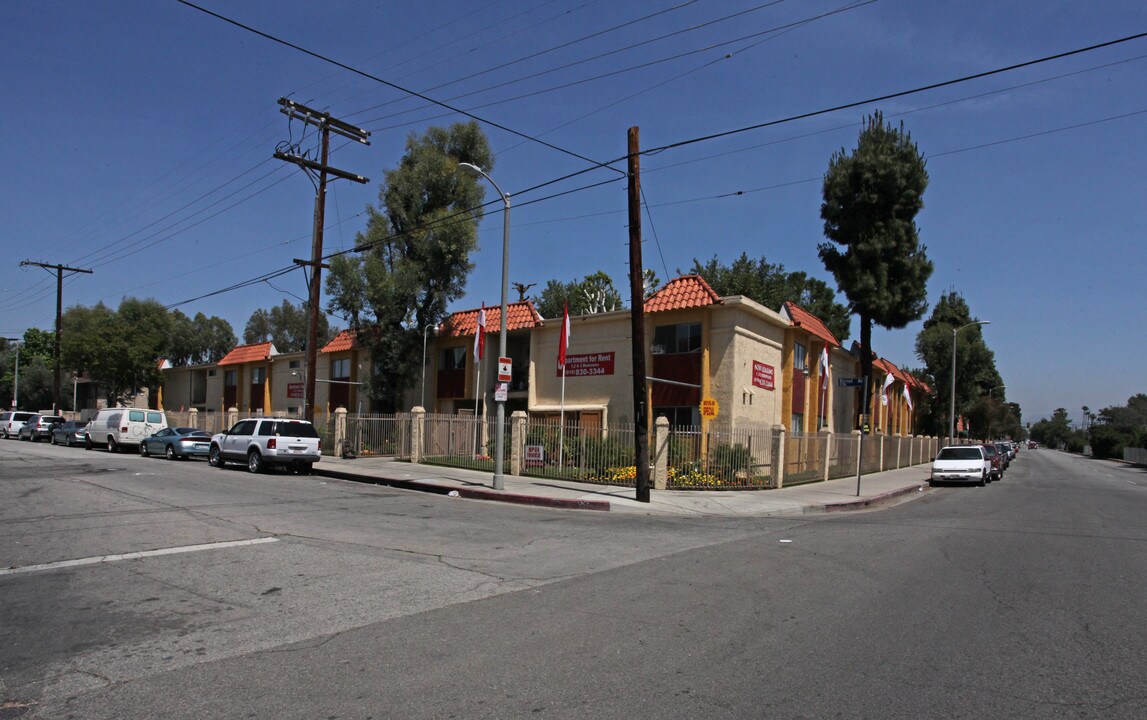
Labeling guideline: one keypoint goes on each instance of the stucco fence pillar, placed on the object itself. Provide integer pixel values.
(778, 456)
(232, 418)
(661, 453)
(517, 442)
(417, 433)
(339, 435)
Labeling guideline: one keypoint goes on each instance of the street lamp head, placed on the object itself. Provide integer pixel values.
(471, 169)
(974, 322)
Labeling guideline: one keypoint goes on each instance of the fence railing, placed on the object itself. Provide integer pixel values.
(1135, 455)
(726, 457)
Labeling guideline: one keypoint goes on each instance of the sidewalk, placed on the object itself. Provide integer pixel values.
(834, 495)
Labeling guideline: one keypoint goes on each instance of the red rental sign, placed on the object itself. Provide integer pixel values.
(763, 375)
(588, 365)
(295, 390)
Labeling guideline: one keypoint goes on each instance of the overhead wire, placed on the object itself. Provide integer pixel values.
(349, 68)
(894, 95)
(640, 66)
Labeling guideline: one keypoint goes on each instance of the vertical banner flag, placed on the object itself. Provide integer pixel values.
(824, 361)
(564, 340)
(888, 380)
(480, 335)
(907, 396)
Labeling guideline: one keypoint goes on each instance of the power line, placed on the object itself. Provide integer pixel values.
(573, 83)
(891, 96)
(319, 56)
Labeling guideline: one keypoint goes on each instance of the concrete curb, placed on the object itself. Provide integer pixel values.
(877, 500)
(468, 493)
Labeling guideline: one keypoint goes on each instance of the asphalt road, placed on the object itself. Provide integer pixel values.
(298, 597)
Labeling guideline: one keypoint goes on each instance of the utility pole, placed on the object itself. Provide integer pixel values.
(60, 270)
(637, 318)
(326, 125)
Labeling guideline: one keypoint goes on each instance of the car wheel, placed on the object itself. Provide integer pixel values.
(170, 452)
(113, 446)
(304, 468)
(215, 457)
(143, 449)
(52, 439)
(87, 443)
(983, 480)
(254, 461)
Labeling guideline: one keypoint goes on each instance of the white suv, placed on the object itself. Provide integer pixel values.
(264, 442)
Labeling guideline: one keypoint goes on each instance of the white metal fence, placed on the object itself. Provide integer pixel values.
(724, 457)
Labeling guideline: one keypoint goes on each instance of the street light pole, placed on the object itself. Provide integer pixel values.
(952, 406)
(500, 431)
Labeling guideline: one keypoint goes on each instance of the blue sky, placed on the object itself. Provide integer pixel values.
(139, 136)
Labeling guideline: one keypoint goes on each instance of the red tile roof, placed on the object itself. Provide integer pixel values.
(807, 321)
(687, 291)
(887, 367)
(249, 353)
(345, 340)
(522, 316)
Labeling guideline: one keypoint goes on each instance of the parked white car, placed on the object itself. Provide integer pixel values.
(961, 463)
(266, 442)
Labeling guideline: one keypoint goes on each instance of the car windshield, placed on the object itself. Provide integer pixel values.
(990, 450)
(960, 453)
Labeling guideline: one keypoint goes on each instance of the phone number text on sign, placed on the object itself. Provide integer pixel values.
(588, 365)
(763, 375)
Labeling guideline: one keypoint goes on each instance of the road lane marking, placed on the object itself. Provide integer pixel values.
(134, 555)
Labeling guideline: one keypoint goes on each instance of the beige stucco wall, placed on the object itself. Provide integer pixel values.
(744, 331)
(589, 334)
(844, 400)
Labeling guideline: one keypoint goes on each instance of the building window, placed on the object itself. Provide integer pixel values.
(800, 357)
(231, 378)
(797, 424)
(258, 375)
(340, 369)
(674, 339)
(294, 364)
(680, 418)
(454, 358)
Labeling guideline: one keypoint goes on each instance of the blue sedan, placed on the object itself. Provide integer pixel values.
(180, 442)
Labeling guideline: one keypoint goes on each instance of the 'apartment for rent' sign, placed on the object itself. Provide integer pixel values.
(763, 375)
(588, 365)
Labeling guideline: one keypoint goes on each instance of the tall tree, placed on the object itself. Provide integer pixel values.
(121, 349)
(416, 253)
(976, 370)
(592, 294)
(871, 198)
(771, 286)
(198, 340)
(286, 326)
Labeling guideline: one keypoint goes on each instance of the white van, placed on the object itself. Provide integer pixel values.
(11, 422)
(120, 427)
